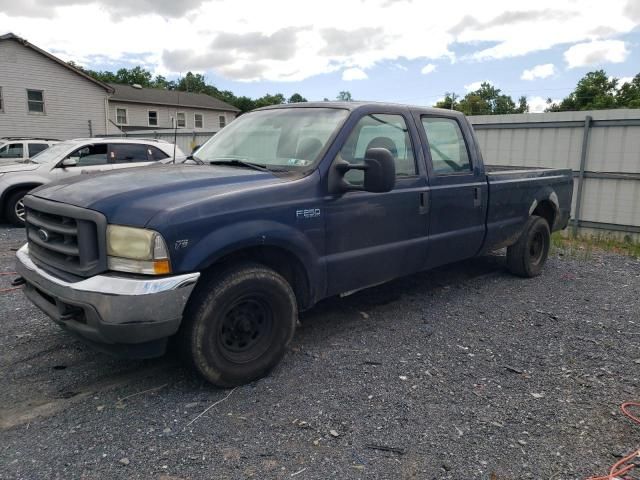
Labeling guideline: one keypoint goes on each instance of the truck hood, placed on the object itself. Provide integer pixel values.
(133, 196)
(8, 167)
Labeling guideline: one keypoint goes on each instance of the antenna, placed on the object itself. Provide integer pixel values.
(175, 129)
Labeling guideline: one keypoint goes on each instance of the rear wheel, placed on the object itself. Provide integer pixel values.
(238, 324)
(528, 255)
(14, 209)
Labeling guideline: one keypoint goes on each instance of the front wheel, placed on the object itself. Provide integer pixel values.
(14, 210)
(238, 324)
(528, 255)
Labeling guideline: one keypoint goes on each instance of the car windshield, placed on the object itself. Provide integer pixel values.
(278, 139)
(52, 153)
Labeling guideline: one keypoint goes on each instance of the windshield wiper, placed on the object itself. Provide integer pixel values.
(235, 162)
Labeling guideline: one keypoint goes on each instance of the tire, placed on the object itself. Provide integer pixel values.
(238, 324)
(528, 255)
(14, 208)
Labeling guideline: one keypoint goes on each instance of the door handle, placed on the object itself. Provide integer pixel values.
(424, 203)
(477, 196)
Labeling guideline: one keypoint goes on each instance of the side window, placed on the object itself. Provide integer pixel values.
(379, 131)
(35, 148)
(90, 155)
(447, 145)
(155, 153)
(12, 150)
(128, 153)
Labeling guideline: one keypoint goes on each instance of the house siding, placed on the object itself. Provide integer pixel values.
(137, 116)
(71, 101)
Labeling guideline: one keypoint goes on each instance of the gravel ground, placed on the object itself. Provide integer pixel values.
(461, 373)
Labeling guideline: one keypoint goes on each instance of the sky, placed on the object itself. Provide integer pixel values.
(406, 51)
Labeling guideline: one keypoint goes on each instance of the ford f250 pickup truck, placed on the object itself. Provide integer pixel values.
(285, 206)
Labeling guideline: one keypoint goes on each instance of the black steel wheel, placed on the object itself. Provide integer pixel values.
(238, 324)
(527, 256)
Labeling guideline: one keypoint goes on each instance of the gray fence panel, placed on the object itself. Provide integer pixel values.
(610, 192)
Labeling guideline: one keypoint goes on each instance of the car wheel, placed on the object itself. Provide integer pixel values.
(238, 324)
(528, 255)
(14, 209)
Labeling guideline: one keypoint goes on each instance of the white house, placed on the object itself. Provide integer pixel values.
(132, 108)
(43, 96)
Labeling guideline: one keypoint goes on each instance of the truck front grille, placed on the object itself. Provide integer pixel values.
(64, 237)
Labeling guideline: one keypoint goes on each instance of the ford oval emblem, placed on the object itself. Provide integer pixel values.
(44, 235)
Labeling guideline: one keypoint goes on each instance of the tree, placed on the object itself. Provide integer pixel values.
(296, 98)
(629, 94)
(594, 91)
(269, 99)
(448, 102)
(344, 96)
(191, 82)
(486, 100)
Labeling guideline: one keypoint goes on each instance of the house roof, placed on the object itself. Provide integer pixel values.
(22, 41)
(174, 98)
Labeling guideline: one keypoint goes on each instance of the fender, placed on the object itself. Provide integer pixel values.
(546, 193)
(238, 236)
(17, 186)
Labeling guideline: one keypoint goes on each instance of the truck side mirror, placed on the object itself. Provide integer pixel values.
(380, 170)
(379, 173)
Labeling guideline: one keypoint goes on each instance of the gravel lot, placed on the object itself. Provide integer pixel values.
(465, 372)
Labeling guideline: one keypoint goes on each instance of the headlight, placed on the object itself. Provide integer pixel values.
(137, 250)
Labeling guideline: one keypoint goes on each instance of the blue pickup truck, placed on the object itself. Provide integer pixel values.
(285, 206)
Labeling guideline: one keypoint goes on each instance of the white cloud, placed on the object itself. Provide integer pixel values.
(354, 74)
(539, 71)
(428, 68)
(538, 104)
(623, 80)
(476, 85)
(267, 45)
(596, 53)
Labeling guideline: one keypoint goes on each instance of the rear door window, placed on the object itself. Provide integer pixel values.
(35, 148)
(447, 145)
(129, 153)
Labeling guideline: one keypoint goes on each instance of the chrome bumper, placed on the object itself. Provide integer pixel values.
(109, 308)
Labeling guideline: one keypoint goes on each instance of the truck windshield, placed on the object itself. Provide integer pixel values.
(278, 139)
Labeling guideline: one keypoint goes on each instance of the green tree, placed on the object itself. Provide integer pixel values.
(269, 99)
(296, 98)
(486, 100)
(344, 96)
(448, 102)
(594, 91)
(629, 94)
(136, 75)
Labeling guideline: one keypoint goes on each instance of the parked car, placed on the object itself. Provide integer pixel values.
(21, 148)
(75, 157)
(291, 204)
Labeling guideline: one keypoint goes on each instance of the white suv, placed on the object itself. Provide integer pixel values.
(75, 157)
(22, 148)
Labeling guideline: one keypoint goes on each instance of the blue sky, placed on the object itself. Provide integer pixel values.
(376, 49)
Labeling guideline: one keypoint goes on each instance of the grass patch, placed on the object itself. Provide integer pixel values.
(583, 246)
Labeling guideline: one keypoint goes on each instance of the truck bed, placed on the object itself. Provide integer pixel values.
(514, 194)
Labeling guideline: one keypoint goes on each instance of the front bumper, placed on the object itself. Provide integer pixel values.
(116, 311)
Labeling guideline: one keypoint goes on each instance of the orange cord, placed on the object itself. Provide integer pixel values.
(5, 290)
(618, 469)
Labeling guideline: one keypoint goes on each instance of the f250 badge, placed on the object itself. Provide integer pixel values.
(308, 213)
